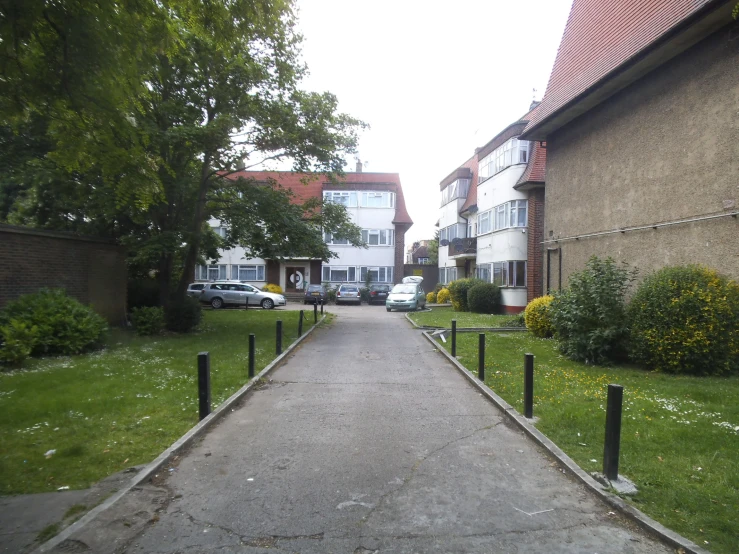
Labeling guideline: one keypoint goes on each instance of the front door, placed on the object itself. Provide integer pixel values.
(294, 278)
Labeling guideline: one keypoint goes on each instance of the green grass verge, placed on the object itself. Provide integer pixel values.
(442, 317)
(679, 436)
(123, 406)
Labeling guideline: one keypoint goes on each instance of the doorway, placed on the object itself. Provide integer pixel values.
(294, 278)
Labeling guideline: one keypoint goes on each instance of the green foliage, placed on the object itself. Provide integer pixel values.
(438, 287)
(148, 320)
(64, 326)
(686, 320)
(442, 297)
(431, 297)
(143, 291)
(484, 298)
(364, 294)
(330, 293)
(183, 315)
(589, 316)
(458, 291)
(517, 320)
(536, 317)
(16, 341)
(269, 287)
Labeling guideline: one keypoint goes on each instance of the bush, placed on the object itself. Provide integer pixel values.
(183, 316)
(142, 292)
(514, 321)
(438, 287)
(537, 317)
(16, 341)
(331, 294)
(442, 297)
(269, 287)
(686, 320)
(364, 294)
(589, 317)
(458, 290)
(484, 298)
(63, 325)
(148, 321)
(431, 297)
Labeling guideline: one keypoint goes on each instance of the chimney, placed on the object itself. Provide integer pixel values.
(359, 166)
(534, 103)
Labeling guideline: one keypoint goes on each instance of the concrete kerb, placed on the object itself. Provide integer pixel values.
(183, 442)
(462, 329)
(643, 520)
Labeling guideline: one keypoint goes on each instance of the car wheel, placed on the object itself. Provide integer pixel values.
(388, 309)
(216, 303)
(267, 304)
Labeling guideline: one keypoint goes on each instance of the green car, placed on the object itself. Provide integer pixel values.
(408, 295)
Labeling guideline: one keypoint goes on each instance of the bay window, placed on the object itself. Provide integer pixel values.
(509, 273)
(511, 152)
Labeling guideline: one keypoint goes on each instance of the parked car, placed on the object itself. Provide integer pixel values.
(194, 289)
(225, 293)
(409, 295)
(315, 294)
(348, 294)
(378, 294)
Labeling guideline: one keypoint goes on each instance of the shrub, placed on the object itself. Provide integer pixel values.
(142, 292)
(483, 298)
(269, 287)
(686, 320)
(431, 297)
(589, 317)
(148, 321)
(184, 315)
(438, 287)
(364, 294)
(64, 326)
(514, 321)
(330, 294)
(16, 341)
(442, 297)
(458, 291)
(537, 317)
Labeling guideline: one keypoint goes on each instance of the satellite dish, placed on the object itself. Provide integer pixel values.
(456, 241)
(443, 242)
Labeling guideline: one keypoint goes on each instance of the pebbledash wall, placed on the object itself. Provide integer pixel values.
(91, 270)
(663, 150)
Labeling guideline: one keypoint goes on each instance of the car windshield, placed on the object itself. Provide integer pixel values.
(314, 288)
(380, 287)
(348, 289)
(404, 289)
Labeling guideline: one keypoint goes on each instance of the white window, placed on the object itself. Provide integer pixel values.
(378, 237)
(456, 189)
(424, 261)
(483, 272)
(511, 214)
(509, 273)
(512, 152)
(220, 231)
(470, 230)
(210, 272)
(328, 238)
(447, 275)
(247, 272)
(377, 274)
(483, 223)
(347, 198)
(339, 274)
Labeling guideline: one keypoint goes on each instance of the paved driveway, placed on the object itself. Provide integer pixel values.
(368, 441)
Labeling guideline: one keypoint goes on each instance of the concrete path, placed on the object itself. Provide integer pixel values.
(368, 441)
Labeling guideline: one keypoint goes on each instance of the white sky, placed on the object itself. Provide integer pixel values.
(433, 82)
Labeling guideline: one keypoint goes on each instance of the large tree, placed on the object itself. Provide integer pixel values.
(142, 154)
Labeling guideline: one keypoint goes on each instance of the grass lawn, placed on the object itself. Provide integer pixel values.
(122, 406)
(442, 317)
(679, 436)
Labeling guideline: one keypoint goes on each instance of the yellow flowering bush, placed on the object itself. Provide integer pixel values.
(269, 287)
(442, 297)
(431, 297)
(537, 318)
(686, 320)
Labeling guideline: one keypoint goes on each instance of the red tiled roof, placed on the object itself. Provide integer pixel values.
(600, 36)
(536, 169)
(312, 185)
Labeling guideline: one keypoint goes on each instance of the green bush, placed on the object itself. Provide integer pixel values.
(483, 298)
(686, 320)
(514, 321)
(438, 287)
(589, 316)
(431, 297)
(364, 294)
(330, 293)
(184, 315)
(458, 291)
(537, 318)
(64, 326)
(442, 297)
(142, 292)
(148, 320)
(16, 341)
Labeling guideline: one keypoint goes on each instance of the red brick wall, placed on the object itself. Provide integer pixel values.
(535, 261)
(92, 271)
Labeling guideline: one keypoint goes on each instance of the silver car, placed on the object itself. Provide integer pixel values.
(346, 294)
(233, 293)
(408, 295)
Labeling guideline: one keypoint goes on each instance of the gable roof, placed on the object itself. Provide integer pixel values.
(608, 44)
(311, 185)
(536, 170)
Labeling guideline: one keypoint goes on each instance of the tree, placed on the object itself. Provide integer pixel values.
(433, 249)
(215, 85)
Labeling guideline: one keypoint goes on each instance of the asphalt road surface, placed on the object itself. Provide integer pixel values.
(367, 440)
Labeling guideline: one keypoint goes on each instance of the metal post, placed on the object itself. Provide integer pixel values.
(613, 431)
(528, 385)
(315, 312)
(481, 358)
(279, 337)
(204, 383)
(321, 307)
(252, 351)
(300, 324)
(454, 338)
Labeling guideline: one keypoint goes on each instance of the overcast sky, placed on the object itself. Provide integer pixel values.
(433, 82)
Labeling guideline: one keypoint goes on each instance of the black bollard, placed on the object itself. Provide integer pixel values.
(528, 385)
(613, 431)
(321, 307)
(252, 352)
(278, 338)
(454, 338)
(300, 324)
(315, 313)
(481, 358)
(204, 383)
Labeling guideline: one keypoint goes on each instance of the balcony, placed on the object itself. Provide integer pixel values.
(462, 248)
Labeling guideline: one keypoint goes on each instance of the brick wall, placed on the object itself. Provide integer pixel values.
(91, 270)
(399, 251)
(535, 257)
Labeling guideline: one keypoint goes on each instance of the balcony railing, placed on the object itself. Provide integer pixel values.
(462, 247)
